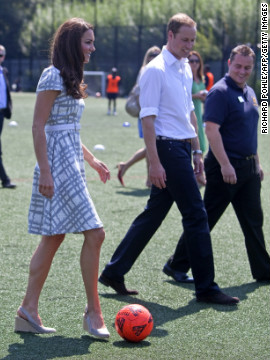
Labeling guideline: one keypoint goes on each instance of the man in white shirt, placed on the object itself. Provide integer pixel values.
(5, 112)
(169, 127)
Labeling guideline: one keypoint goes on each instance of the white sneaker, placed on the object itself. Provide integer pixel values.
(109, 112)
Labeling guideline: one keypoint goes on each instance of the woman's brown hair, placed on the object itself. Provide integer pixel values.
(67, 55)
(200, 68)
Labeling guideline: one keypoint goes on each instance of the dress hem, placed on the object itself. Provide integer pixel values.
(67, 232)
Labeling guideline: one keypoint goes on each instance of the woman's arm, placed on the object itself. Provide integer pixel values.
(44, 103)
(99, 166)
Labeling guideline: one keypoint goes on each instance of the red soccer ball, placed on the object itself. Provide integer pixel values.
(134, 322)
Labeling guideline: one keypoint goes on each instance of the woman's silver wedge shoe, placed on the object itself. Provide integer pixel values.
(30, 325)
(101, 333)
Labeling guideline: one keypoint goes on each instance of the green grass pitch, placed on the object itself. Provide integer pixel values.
(183, 328)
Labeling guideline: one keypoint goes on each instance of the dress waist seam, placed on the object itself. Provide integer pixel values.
(61, 127)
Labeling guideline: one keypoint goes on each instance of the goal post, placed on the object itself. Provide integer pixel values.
(96, 82)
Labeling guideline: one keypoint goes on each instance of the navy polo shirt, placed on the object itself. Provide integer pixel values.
(236, 111)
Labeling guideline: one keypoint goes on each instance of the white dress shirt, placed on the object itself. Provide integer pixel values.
(166, 92)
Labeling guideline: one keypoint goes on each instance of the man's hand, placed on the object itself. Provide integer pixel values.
(228, 173)
(199, 169)
(157, 175)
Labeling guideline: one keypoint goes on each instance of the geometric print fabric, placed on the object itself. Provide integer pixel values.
(71, 210)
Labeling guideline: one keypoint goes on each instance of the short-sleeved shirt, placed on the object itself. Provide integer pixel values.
(236, 111)
(165, 92)
(113, 84)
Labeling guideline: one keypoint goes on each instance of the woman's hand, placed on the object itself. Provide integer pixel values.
(46, 185)
(101, 169)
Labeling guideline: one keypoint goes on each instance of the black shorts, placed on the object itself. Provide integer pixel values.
(111, 96)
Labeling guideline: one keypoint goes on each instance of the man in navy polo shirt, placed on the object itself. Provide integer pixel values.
(232, 165)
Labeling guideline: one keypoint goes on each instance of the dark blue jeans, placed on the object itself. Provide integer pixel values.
(245, 199)
(182, 188)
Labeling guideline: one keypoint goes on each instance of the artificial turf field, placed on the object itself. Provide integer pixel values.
(183, 328)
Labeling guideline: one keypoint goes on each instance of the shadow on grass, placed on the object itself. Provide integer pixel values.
(134, 192)
(240, 291)
(126, 345)
(163, 314)
(43, 348)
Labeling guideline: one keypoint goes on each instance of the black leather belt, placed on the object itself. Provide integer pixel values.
(171, 139)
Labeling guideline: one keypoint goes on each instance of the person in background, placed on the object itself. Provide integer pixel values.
(5, 112)
(232, 167)
(112, 90)
(198, 93)
(140, 154)
(60, 200)
(209, 77)
(169, 128)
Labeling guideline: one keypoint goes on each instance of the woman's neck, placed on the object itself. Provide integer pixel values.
(196, 77)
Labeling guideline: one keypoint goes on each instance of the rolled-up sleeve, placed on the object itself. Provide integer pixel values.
(150, 92)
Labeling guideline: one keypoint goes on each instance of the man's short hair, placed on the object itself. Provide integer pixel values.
(178, 20)
(243, 50)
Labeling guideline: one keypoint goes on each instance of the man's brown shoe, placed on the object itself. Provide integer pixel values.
(119, 287)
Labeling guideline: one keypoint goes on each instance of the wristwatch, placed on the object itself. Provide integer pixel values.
(194, 152)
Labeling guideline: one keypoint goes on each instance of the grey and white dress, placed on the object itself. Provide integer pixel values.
(71, 210)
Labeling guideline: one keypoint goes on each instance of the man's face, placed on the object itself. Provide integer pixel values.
(240, 69)
(182, 42)
(2, 56)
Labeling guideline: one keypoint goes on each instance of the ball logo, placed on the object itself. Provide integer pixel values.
(138, 329)
(120, 323)
(135, 312)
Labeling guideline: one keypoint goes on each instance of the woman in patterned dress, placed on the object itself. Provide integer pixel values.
(60, 200)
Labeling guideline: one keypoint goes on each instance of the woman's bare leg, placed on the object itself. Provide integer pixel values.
(38, 271)
(90, 266)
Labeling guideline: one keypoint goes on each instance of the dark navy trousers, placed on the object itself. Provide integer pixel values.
(246, 201)
(3, 176)
(182, 188)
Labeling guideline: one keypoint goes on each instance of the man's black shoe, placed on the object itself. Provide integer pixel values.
(178, 276)
(119, 287)
(9, 185)
(218, 298)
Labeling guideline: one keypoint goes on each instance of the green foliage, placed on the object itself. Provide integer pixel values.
(207, 47)
(183, 328)
(14, 15)
(32, 22)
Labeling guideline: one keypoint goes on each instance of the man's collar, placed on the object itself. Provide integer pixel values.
(233, 84)
(171, 59)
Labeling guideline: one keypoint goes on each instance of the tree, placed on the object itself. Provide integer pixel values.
(14, 16)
